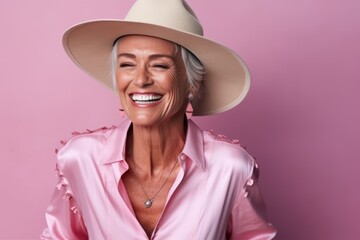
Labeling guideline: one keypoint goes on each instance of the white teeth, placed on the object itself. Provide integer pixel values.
(145, 97)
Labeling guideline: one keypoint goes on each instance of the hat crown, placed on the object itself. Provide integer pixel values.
(174, 14)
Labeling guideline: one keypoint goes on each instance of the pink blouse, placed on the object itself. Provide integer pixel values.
(215, 194)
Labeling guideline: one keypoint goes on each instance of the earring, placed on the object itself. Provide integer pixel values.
(190, 96)
(189, 111)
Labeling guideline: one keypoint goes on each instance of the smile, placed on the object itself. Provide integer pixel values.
(145, 98)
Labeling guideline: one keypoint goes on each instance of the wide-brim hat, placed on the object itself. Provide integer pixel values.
(227, 79)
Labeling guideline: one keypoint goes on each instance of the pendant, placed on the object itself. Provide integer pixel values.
(148, 203)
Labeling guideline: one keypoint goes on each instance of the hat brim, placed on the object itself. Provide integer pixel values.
(227, 78)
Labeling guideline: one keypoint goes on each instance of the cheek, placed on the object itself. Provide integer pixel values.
(179, 87)
(122, 81)
(122, 84)
(177, 93)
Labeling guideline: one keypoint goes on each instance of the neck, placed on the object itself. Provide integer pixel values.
(154, 149)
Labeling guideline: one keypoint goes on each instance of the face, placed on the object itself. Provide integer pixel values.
(151, 80)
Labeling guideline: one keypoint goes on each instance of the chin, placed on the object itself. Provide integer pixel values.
(146, 121)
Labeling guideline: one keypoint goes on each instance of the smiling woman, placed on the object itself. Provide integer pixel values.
(151, 69)
(195, 71)
(140, 180)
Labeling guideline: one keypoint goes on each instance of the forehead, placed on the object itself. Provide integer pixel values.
(133, 43)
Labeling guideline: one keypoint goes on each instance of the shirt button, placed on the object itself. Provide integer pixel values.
(250, 182)
(183, 157)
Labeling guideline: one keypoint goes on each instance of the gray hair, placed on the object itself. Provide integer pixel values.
(195, 71)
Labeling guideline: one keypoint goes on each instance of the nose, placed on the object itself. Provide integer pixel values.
(143, 78)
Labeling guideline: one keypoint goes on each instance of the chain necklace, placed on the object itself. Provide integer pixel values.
(149, 200)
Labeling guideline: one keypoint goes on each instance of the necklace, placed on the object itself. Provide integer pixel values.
(149, 200)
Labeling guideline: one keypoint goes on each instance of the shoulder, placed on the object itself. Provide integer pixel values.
(83, 146)
(85, 140)
(228, 154)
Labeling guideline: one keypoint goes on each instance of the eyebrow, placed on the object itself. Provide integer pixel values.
(152, 56)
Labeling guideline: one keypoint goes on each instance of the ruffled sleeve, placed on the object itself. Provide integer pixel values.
(64, 220)
(247, 220)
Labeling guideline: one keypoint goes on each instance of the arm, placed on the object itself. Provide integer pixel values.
(64, 221)
(247, 216)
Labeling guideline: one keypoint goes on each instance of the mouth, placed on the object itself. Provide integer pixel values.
(145, 98)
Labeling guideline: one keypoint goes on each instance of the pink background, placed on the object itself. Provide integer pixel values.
(300, 120)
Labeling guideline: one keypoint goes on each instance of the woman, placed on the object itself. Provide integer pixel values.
(157, 175)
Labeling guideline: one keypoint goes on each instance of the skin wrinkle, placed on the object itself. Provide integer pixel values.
(157, 170)
(155, 134)
(174, 96)
(149, 76)
(194, 70)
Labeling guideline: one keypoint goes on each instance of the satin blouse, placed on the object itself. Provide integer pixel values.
(215, 195)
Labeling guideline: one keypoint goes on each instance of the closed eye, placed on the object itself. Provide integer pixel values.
(162, 66)
(124, 65)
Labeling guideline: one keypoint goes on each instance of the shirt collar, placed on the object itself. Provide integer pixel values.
(114, 146)
(194, 144)
(193, 148)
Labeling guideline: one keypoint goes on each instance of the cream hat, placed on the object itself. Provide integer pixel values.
(227, 78)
